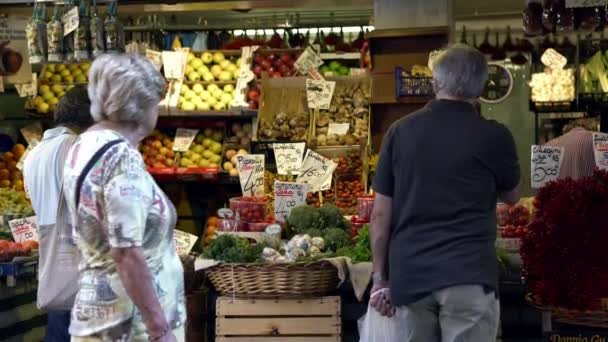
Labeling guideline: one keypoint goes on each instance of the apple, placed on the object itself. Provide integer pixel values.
(203, 106)
(216, 159)
(242, 152)
(266, 64)
(257, 70)
(218, 136)
(231, 68)
(217, 93)
(238, 62)
(229, 88)
(218, 57)
(189, 94)
(211, 101)
(212, 87)
(258, 59)
(189, 70)
(191, 56)
(188, 106)
(207, 154)
(216, 70)
(234, 172)
(286, 58)
(208, 132)
(204, 95)
(271, 57)
(194, 77)
(219, 106)
(202, 69)
(277, 64)
(226, 98)
(276, 74)
(253, 94)
(236, 74)
(208, 77)
(207, 57)
(196, 63)
(203, 163)
(230, 153)
(225, 76)
(228, 166)
(198, 88)
(224, 64)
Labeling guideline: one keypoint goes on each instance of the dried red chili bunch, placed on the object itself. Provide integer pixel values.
(564, 253)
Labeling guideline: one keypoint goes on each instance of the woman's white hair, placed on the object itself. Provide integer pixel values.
(122, 88)
(461, 72)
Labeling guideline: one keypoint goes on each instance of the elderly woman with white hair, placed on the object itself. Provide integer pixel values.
(433, 227)
(131, 279)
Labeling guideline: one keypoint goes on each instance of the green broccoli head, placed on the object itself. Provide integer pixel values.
(313, 232)
(332, 216)
(304, 218)
(336, 238)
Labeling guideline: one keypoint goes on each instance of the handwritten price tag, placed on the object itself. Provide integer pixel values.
(337, 128)
(24, 229)
(183, 242)
(316, 170)
(251, 174)
(30, 147)
(600, 149)
(546, 164)
(287, 196)
(553, 59)
(308, 60)
(585, 3)
(70, 21)
(174, 63)
(288, 157)
(319, 93)
(183, 139)
(156, 57)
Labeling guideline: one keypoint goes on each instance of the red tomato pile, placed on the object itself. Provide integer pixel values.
(349, 164)
(9, 250)
(313, 198)
(513, 232)
(513, 220)
(251, 209)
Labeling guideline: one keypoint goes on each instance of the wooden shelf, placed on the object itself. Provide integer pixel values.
(409, 32)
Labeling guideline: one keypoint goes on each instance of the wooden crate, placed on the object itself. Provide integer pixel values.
(285, 320)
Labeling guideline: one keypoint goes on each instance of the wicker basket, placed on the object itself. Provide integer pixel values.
(274, 280)
(588, 318)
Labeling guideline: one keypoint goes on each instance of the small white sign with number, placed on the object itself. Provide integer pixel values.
(183, 139)
(553, 59)
(337, 128)
(308, 60)
(585, 3)
(319, 93)
(24, 229)
(288, 157)
(600, 149)
(546, 164)
(251, 174)
(70, 21)
(156, 57)
(183, 242)
(288, 195)
(30, 147)
(174, 63)
(316, 170)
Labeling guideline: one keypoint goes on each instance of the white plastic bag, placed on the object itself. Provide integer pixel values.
(374, 327)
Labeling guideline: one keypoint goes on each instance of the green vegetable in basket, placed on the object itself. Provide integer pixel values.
(233, 249)
(336, 238)
(361, 251)
(304, 218)
(332, 216)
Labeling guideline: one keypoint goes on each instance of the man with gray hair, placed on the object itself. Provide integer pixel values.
(433, 227)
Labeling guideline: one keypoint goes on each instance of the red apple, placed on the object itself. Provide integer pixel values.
(286, 58)
(253, 104)
(258, 59)
(276, 74)
(266, 64)
(257, 70)
(277, 64)
(272, 57)
(253, 95)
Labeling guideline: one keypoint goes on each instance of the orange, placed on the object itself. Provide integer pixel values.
(18, 149)
(12, 165)
(157, 144)
(4, 174)
(160, 158)
(8, 156)
(158, 165)
(212, 221)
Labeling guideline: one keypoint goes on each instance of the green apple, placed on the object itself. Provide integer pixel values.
(189, 70)
(228, 88)
(194, 77)
(189, 94)
(188, 106)
(217, 93)
(218, 57)
(191, 56)
(203, 106)
(196, 63)
(225, 76)
(207, 57)
(236, 74)
(219, 106)
(184, 89)
(238, 62)
(231, 68)
(216, 159)
(204, 95)
(212, 87)
(217, 136)
(207, 154)
(211, 101)
(202, 69)
(208, 77)
(203, 163)
(216, 70)
(198, 88)
(224, 64)
(226, 98)
(185, 162)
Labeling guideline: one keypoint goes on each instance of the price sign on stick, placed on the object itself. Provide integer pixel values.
(319, 93)
(251, 174)
(553, 59)
(546, 164)
(288, 157)
(600, 149)
(174, 63)
(287, 196)
(315, 170)
(183, 242)
(183, 139)
(70, 21)
(308, 60)
(156, 57)
(24, 229)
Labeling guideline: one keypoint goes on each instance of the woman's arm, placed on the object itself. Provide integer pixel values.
(137, 280)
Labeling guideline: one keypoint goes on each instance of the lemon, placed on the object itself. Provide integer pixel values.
(53, 101)
(38, 100)
(42, 108)
(44, 89)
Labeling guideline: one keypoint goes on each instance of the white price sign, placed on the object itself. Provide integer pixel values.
(156, 57)
(337, 129)
(24, 229)
(288, 157)
(183, 139)
(585, 3)
(183, 242)
(546, 164)
(308, 61)
(319, 93)
(30, 147)
(174, 63)
(251, 174)
(70, 21)
(287, 196)
(600, 149)
(28, 89)
(553, 59)
(316, 170)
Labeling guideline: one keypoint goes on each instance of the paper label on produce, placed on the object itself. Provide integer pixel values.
(183, 139)
(585, 3)
(183, 242)
(316, 170)
(30, 147)
(70, 21)
(600, 149)
(308, 60)
(288, 157)
(327, 184)
(24, 229)
(251, 174)
(337, 128)
(433, 56)
(156, 57)
(546, 164)
(553, 59)
(319, 93)
(288, 195)
(174, 64)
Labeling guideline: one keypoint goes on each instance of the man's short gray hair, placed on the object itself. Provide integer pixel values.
(461, 72)
(123, 87)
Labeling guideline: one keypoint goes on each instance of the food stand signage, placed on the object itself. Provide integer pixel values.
(183, 139)
(288, 157)
(287, 196)
(553, 59)
(183, 242)
(317, 171)
(600, 149)
(70, 21)
(546, 164)
(319, 93)
(251, 174)
(308, 62)
(577, 336)
(24, 229)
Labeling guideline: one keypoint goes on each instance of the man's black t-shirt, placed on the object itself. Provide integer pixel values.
(443, 166)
